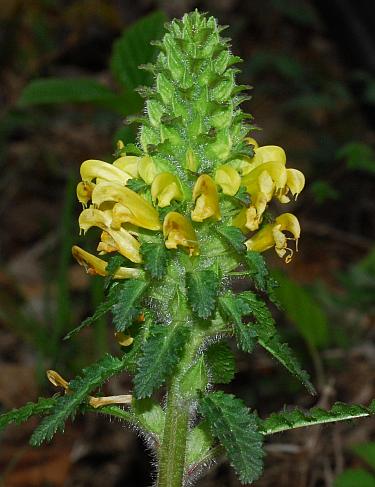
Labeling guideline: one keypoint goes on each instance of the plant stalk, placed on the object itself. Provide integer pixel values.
(173, 448)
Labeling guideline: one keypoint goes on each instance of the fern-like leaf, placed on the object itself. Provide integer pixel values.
(79, 388)
(220, 362)
(202, 289)
(155, 258)
(237, 430)
(298, 418)
(234, 237)
(126, 307)
(161, 353)
(18, 416)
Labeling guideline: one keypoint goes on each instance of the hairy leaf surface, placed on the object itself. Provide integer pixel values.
(161, 353)
(236, 428)
(202, 288)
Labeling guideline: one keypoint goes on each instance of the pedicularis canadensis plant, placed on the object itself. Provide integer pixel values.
(182, 214)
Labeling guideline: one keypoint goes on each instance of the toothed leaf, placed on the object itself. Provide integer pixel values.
(79, 389)
(155, 258)
(234, 237)
(202, 289)
(161, 353)
(20, 415)
(126, 307)
(298, 418)
(220, 362)
(236, 428)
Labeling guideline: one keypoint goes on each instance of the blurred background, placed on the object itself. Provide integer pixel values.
(68, 73)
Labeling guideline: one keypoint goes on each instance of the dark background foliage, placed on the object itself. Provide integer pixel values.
(312, 66)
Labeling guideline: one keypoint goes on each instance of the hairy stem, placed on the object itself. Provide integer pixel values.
(173, 447)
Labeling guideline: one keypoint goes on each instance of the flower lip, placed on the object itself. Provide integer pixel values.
(144, 214)
(93, 168)
(206, 199)
(178, 230)
(96, 266)
(166, 187)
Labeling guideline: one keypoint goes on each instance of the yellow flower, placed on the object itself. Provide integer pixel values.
(272, 235)
(124, 340)
(228, 179)
(191, 161)
(95, 402)
(165, 188)
(96, 266)
(128, 164)
(294, 184)
(56, 379)
(84, 192)
(147, 169)
(206, 199)
(140, 212)
(121, 240)
(250, 218)
(102, 171)
(178, 230)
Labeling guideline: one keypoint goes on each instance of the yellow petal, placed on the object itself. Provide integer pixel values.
(125, 243)
(56, 379)
(147, 169)
(275, 171)
(84, 192)
(252, 141)
(96, 266)
(206, 199)
(228, 179)
(295, 181)
(178, 230)
(97, 402)
(124, 340)
(250, 218)
(128, 164)
(272, 235)
(93, 168)
(268, 153)
(144, 214)
(165, 188)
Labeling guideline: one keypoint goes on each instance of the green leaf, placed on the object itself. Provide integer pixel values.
(234, 308)
(150, 415)
(134, 49)
(80, 387)
(354, 477)
(199, 443)
(161, 353)
(20, 415)
(155, 258)
(126, 307)
(303, 311)
(236, 428)
(195, 379)
(65, 90)
(258, 271)
(358, 156)
(137, 185)
(267, 336)
(283, 353)
(297, 418)
(234, 237)
(202, 289)
(220, 362)
(366, 451)
(100, 311)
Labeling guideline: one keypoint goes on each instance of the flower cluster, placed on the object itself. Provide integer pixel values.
(121, 213)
